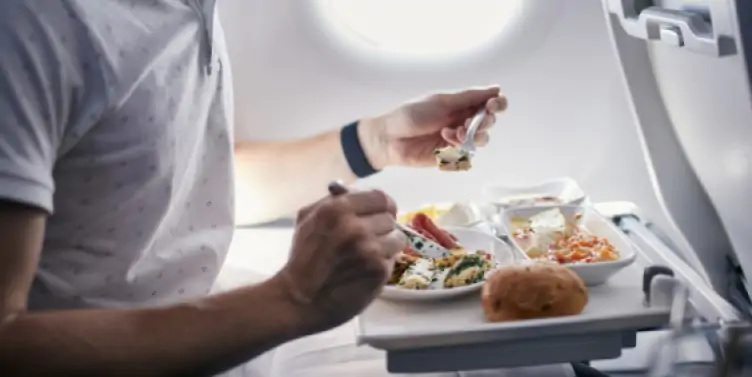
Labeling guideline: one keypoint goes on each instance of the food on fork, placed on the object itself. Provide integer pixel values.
(550, 236)
(413, 270)
(532, 290)
(451, 158)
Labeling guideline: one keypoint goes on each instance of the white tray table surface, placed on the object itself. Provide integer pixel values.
(617, 306)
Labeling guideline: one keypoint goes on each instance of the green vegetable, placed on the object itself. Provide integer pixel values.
(469, 261)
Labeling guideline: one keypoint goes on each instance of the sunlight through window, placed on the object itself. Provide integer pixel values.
(422, 27)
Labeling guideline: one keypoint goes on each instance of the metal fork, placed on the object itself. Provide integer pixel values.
(419, 243)
(468, 146)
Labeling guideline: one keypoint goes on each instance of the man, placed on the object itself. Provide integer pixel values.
(116, 161)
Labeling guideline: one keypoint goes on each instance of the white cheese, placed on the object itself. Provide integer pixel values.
(548, 221)
(548, 227)
(419, 275)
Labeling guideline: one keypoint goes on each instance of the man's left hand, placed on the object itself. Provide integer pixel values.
(409, 135)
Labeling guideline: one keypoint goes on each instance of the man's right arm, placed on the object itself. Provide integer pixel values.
(198, 338)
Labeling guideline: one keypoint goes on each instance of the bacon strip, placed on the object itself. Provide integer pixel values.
(418, 227)
(441, 236)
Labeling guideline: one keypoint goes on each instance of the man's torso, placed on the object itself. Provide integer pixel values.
(143, 180)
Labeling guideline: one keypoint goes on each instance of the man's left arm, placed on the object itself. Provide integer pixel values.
(274, 179)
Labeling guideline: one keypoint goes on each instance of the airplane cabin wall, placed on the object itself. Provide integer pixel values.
(568, 111)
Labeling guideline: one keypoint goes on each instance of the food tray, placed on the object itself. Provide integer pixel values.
(615, 306)
(453, 335)
(615, 312)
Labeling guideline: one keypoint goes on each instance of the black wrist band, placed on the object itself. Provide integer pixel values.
(356, 157)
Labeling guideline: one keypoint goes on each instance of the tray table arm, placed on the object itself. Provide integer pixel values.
(704, 299)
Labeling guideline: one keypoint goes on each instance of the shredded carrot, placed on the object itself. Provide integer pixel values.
(579, 247)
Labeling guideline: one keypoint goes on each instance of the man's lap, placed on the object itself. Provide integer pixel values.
(331, 354)
(334, 353)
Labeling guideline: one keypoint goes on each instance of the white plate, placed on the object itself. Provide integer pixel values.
(565, 189)
(592, 274)
(471, 239)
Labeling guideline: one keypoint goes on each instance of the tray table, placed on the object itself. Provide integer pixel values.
(452, 335)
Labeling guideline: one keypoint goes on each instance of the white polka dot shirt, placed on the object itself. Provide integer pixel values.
(115, 117)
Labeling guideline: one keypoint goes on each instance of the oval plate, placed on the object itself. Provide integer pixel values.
(565, 189)
(471, 239)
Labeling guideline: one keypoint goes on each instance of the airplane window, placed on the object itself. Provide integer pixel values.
(421, 27)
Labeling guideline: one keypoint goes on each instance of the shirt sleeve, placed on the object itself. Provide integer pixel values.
(42, 83)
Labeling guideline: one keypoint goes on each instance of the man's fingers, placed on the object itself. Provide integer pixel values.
(305, 211)
(337, 188)
(488, 122)
(370, 201)
(466, 99)
(481, 136)
(460, 133)
(379, 224)
(392, 243)
(389, 268)
(496, 104)
(450, 136)
(456, 136)
(464, 105)
(481, 139)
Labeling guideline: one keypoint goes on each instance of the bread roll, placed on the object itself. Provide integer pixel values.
(533, 290)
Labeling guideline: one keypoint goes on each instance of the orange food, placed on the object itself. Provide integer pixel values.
(581, 247)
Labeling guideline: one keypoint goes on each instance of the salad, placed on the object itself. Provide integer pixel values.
(460, 267)
(549, 236)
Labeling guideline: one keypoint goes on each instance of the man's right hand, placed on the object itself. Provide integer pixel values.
(342, 255)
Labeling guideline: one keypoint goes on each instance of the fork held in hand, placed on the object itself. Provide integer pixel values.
(419, 243)
(468, 146)
(337, 188)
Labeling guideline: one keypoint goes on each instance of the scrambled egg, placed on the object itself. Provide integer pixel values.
(419, 275)
(432, 211)
(443, 214)
(470, 269)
